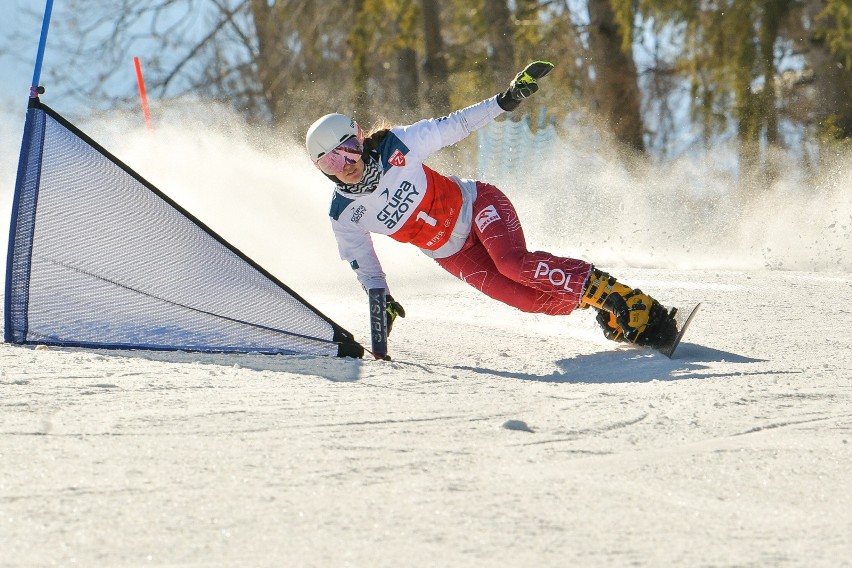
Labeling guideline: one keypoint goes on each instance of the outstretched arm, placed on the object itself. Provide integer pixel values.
(431, 135)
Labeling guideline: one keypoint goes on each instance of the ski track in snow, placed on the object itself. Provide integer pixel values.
(493, 438)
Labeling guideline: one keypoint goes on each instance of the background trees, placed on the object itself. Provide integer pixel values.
(663, 77)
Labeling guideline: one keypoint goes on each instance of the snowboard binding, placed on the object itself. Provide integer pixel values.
(629, 315)
(659, 331)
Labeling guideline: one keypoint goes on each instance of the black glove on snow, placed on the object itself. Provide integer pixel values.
(523, 85)
(393, 310)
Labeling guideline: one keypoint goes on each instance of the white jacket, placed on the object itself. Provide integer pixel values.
(413, 203)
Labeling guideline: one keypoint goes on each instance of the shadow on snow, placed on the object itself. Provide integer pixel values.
(628, 365)
(622, 365)
(338, 369)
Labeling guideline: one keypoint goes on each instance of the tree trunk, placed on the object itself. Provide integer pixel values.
(769, 30)
(359, 45)
(407, 76)
(615, 88)
(435, 67)
(502, 61)
(527, 33)
(266, 64)
(832, 79)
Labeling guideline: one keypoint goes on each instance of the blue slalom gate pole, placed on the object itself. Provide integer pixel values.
(45, 24)
(32, 128)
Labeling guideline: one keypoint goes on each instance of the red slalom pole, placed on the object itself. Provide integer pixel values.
(142, 96)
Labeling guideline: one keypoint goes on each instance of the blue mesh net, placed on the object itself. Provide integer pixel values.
(98, 257)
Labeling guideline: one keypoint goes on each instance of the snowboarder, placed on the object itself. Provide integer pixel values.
(468, 227)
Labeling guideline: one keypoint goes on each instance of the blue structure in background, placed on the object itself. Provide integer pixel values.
(506, 146)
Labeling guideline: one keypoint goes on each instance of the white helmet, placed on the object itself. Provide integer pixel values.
(329, 132)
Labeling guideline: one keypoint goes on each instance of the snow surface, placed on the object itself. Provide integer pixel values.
(495, 438)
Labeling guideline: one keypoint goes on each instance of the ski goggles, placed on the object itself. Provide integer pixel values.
(333, 162)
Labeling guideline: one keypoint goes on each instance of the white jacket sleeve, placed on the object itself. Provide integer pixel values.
(356, 248)
(430, 135)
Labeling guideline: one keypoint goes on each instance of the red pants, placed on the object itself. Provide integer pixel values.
(495, 261)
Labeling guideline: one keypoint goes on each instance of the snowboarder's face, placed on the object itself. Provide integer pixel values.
(341, 159)
(352, 173)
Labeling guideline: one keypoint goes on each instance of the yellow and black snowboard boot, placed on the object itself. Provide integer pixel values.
(626, 314)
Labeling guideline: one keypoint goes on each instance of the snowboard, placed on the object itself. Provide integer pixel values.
(682, 324)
